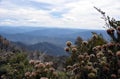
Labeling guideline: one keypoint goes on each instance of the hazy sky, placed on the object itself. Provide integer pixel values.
(57, 13)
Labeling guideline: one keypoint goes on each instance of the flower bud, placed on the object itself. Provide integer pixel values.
(67, 49)
(118, 54)
(91, 75)
(68, 43)
(32, 62)
(74, 50)
(113, 76)
(85, 43)
(27, 74)
(110, 31)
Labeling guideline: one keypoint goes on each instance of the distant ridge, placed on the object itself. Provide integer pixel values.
(45, 47)
(51, 39)
(52, 35)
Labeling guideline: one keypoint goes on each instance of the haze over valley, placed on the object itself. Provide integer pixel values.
(46, 39)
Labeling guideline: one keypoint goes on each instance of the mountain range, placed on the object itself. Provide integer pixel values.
(49, 40)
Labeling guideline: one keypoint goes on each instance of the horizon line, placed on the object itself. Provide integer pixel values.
(52, 27)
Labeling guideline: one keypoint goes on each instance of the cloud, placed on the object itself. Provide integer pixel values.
(57, 13)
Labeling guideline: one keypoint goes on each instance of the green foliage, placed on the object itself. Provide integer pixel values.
(96, 58)
(42, 69)
(112, 25)
(15, 66)
(86, 46)
(82, 47)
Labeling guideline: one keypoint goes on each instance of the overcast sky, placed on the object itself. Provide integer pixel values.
(57, 13)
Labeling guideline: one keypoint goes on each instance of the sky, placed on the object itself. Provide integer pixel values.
(57, 13)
